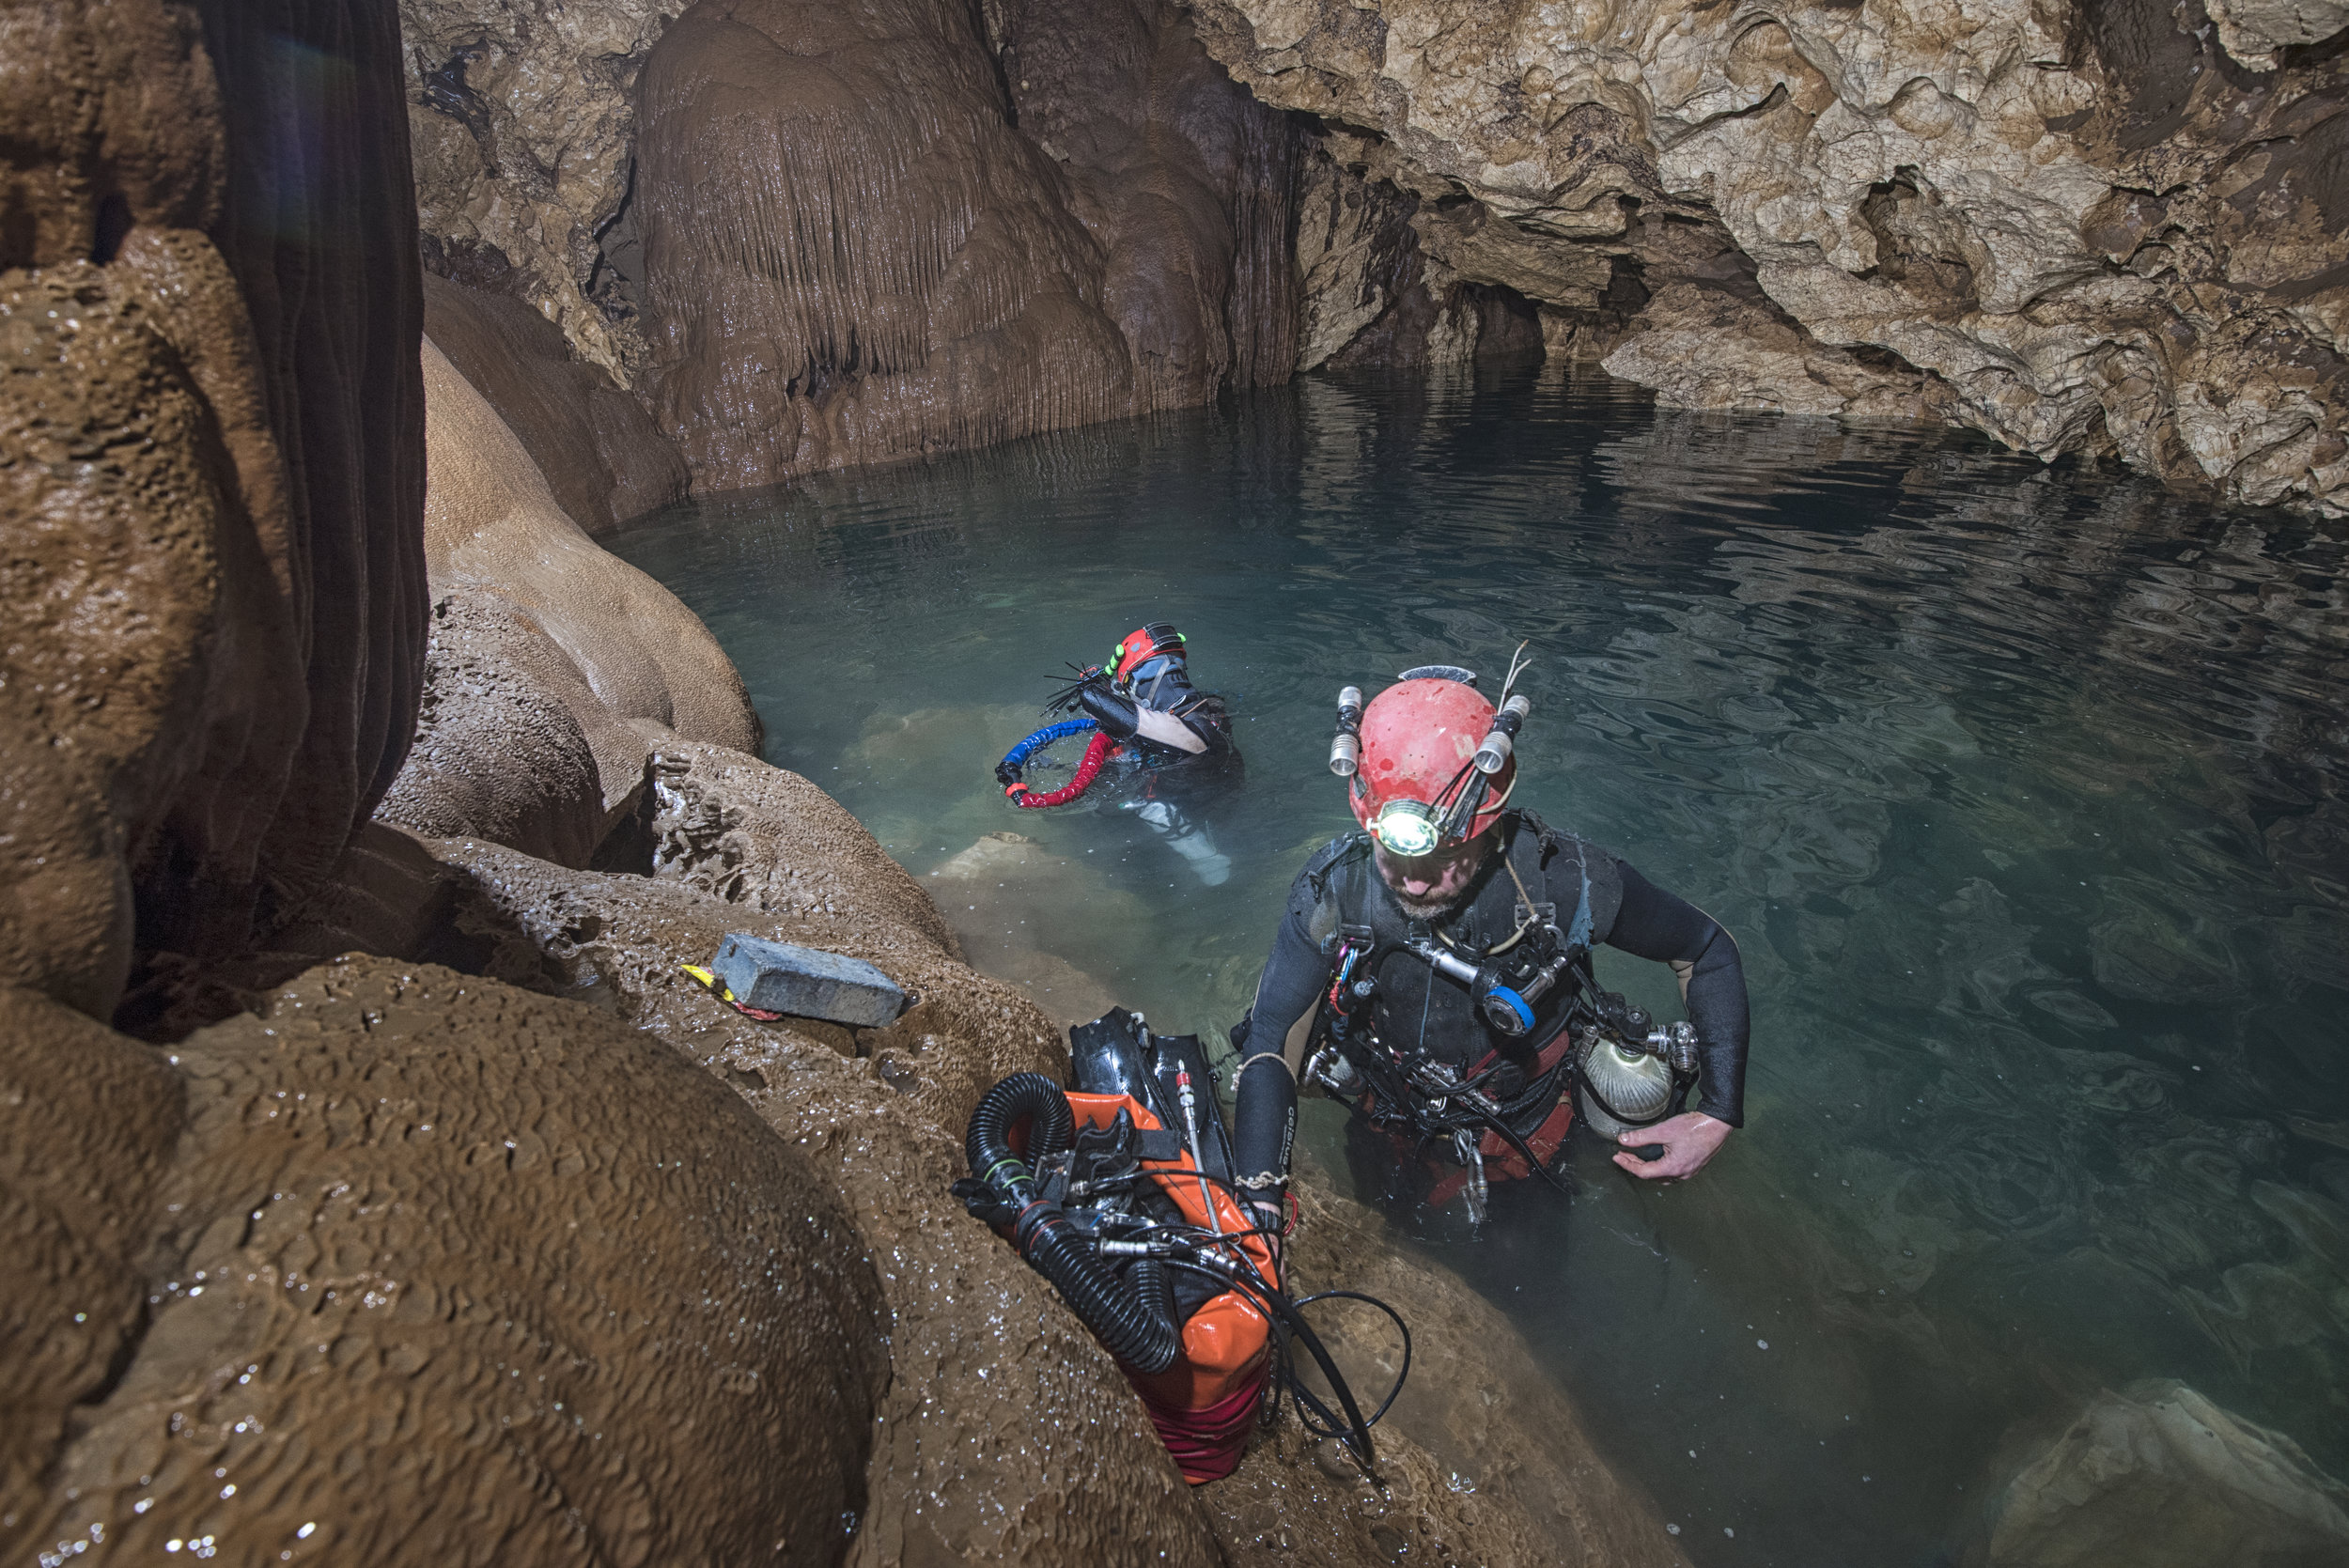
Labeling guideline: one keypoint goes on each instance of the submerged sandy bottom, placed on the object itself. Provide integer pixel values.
(2011, 783)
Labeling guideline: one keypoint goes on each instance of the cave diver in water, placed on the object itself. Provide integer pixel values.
(1177, 739)
(1432, 972)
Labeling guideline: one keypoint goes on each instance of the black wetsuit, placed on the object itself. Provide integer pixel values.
(1170, 693)
(1596, 897)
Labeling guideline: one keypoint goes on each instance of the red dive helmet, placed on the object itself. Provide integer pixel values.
(1430, 761)
(1137, 654)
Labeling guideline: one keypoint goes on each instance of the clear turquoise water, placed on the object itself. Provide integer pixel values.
(2022, 788)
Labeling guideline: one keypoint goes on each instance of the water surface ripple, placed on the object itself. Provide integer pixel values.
(2020, 786)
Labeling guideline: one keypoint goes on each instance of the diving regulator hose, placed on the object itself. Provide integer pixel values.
(1135, 1322)
(1141, 1335)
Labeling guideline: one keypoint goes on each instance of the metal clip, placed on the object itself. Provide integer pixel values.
(1469, 1148)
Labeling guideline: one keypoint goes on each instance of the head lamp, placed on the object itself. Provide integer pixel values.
(1407, 828)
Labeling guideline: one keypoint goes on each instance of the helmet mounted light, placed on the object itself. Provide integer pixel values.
(1407, 828)
(1430, 760)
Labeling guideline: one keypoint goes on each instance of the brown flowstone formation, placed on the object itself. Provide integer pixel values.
(593, 442)
(860, 243)
(554, 667)
(206, 447)
(400, 1297)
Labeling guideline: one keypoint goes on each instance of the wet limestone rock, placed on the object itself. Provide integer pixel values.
(524, 129)
(592, 442)
(852, 255)
(554, 666)
(76, 1228)
(211, 465)
(1505, 1448)
(2076, 227)
(868, 236)
(1185, 180)
(1005, 1433)
(2159, 1476)
(443, 1272)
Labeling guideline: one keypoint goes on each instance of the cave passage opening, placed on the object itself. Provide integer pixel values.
(2020, 785)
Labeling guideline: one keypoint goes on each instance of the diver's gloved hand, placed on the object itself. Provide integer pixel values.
(1092, 677)
(1117, 715)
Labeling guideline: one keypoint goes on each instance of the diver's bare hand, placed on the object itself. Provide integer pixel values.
(1688, 1139)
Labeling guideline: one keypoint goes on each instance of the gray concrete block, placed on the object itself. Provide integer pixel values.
(778, 977)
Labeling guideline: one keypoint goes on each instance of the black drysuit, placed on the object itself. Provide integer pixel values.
(1596, 897)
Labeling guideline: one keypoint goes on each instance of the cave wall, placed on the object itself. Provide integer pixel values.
(2100, 225)
(865, 238)
(210, 466)
(812, 236)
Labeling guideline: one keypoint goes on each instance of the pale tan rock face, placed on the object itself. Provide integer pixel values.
(2158, 1475)
(2089, 225)
(553, 667)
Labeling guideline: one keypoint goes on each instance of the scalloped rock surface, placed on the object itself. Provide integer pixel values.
(2100, 225)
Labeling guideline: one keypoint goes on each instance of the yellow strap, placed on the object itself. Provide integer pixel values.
(708, 979)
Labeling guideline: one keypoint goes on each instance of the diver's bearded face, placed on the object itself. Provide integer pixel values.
(1427, 886)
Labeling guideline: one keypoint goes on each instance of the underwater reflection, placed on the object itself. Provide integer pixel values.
(2020, 788)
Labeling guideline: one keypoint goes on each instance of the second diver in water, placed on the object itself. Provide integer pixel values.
(1433, 972)
(1179, 738)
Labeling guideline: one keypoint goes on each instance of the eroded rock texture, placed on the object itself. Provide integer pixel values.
(209, 469)
(525, 128)
(439, 1271)
(2089, 226)
(554, 666)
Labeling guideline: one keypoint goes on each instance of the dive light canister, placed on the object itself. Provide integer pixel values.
(1633, 1087)
(1493, 756)
(1346, 747)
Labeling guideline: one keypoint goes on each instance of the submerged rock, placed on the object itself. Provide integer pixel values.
(2159, 1477)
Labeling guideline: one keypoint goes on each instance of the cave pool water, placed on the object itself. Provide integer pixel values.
(2020, 786)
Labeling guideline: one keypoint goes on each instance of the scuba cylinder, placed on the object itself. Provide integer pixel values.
(1119, 1192)
(1632, 1074)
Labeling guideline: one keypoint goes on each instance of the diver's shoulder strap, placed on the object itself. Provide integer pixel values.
(1333, 884)
(1570, 859)
(1338, 863)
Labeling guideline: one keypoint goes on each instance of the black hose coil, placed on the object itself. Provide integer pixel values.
(1134, 1323)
